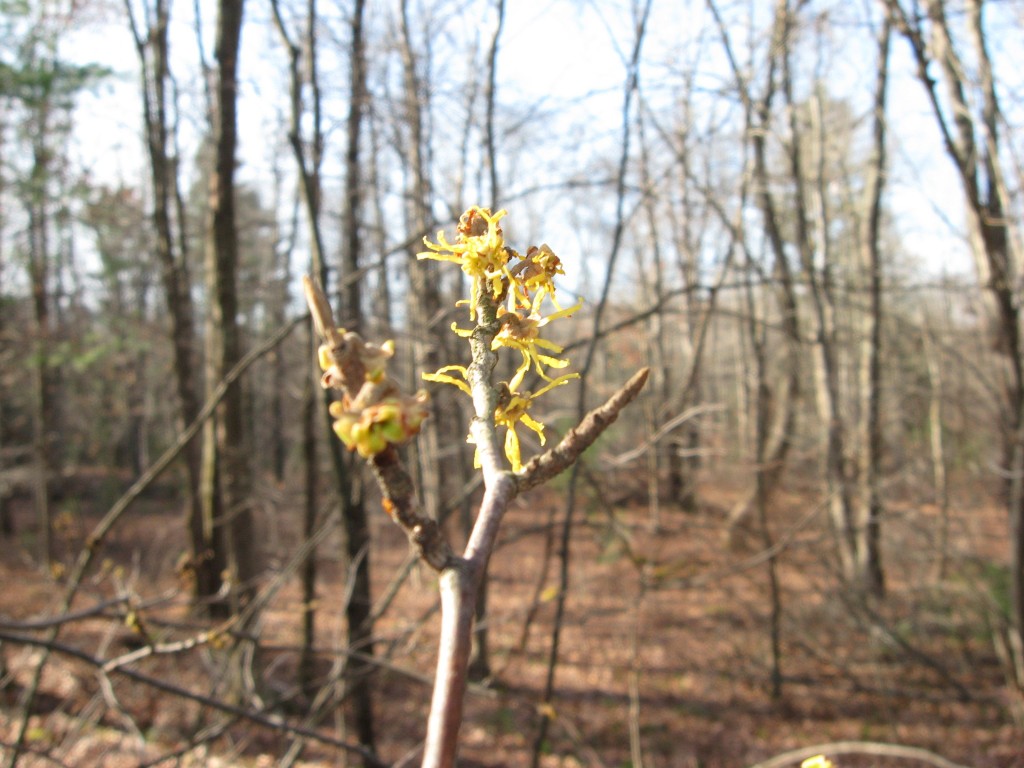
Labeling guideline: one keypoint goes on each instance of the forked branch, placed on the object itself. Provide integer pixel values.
(373, 417)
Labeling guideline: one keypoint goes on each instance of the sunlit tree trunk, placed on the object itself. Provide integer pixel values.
(425, 297)
(814, 245)
(152, 46)
(780, 403)
(869, 503)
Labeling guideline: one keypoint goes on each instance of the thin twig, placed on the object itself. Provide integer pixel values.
(542, 468)
(267, 721)
(876, 749)
(95, 539)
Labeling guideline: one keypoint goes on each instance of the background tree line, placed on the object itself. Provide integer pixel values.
(741, 209)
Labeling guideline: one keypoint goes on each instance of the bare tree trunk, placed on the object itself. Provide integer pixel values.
(970, 130)
(311, 424)
(782, 403)
(641, 14)
(43, 401)
(357, 540)
(309, 184)
(936, 440)
(869, 513)
(425, 299)
(353, 509)
(351, 316)
(765, 479)
(6, 518)
(227, 482)
(152, 46)
(826, 354)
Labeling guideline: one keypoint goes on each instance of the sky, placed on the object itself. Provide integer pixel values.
(553, 52)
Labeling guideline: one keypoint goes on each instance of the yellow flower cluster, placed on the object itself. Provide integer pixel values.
(515, 286)
(480, 251)
(371, 429)
(379, 415)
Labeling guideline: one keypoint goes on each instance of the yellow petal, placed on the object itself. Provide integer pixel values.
(535, 425)
(552, 362)
(512, 449)
(323, 355)
(562, 313)
(563, 379)
(441, 378)
(517, 379)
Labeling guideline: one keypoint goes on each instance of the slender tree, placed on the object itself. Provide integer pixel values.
(869, 512)
(641, 14)
(425, 307)
(308, 153)
(40, 89)
(359, 608)
(783, 396)
(971, 121)
(226, 475)
(152, 45)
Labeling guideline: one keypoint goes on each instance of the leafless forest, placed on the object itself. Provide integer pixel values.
(727, 297)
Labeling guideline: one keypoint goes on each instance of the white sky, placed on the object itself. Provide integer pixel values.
(552, 51)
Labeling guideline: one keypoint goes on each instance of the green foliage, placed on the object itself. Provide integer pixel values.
(30, 71)
(49, 82)
(503, 720)
(997, 579)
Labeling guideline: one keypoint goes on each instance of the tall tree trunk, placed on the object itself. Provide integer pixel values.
(970, 129)
(359, 691)
(779, 427)
(814, 248)
(869, 512)
(641, 15)
(6, 518)
(765, 479)
(43, 415)
(936, 440)
(311, 427)
(152, 46)
(425, 297)
(357, 540)
(227, 481)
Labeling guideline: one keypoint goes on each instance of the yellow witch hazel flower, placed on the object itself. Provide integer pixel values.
(441, 377)
(370, 430)
(511, 411)
(515, 294)
(523, 333)
(377, 414)
(535, 273)
(479, 250)
(514, 412)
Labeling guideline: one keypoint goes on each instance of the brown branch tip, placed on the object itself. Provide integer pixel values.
(373, 417)
(555, 460)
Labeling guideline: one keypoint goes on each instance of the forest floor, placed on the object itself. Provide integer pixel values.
(665, 650)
